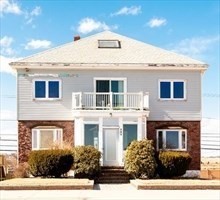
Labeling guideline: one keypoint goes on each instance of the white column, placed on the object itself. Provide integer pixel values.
(140, 132)
(101, 139)
(145, 126)
(120, 142)
(79, 131)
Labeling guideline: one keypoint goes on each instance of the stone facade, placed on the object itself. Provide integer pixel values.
(193, 137)
(25, 135)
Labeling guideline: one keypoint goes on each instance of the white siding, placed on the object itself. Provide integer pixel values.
(83, 81)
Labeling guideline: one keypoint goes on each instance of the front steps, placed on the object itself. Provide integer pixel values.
(113, 175)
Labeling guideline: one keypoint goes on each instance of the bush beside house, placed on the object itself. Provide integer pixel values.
(50, 163)
(172, 163)
(140, 159)
(86, 162)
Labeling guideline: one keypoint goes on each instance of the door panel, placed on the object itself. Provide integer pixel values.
(111, 147)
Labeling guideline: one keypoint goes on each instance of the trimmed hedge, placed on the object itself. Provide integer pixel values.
(172, 163)
(139, 159)
(86, 162)
(50, 163)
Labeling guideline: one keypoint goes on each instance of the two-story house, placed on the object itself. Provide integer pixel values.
(106, 90)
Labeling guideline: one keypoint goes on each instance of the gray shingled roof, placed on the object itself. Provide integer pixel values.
(86, 51)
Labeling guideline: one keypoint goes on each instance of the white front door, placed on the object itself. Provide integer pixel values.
(111, 140)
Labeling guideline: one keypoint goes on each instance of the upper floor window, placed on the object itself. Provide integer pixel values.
(172, 89)
(47, 89)
(171, 139)
(109, 44)
(46, 137)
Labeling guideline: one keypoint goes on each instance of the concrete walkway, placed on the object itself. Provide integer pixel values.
(119, 187)
(110, 195)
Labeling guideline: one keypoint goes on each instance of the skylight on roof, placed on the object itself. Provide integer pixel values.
(109, 44)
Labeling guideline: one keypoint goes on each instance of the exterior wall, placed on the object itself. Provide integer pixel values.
(193, 137)
(83, 81)
(25, 135)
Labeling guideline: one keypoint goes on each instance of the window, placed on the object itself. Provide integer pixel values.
(45, 137)
(129, 134)
(91, 135)
(104, 87)
(172, 139)
(109, 44)
(47, 89)
(174, 90)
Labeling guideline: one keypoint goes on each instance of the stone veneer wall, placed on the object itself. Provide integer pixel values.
(193, 137)
(25, 136)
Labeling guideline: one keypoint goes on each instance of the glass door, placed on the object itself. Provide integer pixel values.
(104, 87)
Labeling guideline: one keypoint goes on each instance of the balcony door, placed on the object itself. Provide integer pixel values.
(105, 87)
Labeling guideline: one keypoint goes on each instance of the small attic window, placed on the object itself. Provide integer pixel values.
(109, 44)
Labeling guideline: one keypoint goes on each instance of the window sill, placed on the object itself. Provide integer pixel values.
(171, 150)
(172, 99)
(47, 99)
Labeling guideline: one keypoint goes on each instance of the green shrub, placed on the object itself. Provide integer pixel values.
(86, 161)
(172, 163)
(50, 163)
(140, 159)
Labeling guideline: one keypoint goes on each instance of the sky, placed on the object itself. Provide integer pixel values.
(184, 26)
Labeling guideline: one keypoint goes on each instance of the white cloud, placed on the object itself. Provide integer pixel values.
(8, 6)
(8, 115)
(36, 11)
(6, 41)
(133, 10)
(210, 126)
(4, 66)
(38, 44)
(194, 46)
(30, 16)
(5, 45)
(157, 22)
(88, 25)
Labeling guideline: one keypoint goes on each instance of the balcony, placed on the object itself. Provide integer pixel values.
(110, 101)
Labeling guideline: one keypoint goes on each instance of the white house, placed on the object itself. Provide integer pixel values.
(106, 90)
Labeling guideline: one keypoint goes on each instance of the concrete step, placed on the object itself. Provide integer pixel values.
(112, 174)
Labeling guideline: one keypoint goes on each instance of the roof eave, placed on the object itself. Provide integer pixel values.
(38, 65)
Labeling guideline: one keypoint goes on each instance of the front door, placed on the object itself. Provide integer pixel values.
(111, 139)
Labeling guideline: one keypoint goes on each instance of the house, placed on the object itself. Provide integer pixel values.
(106, 90)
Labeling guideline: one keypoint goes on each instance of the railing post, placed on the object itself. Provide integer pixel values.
(141, 100)
(80, 99)
(111, 100)
(73, 101)
(146, 100)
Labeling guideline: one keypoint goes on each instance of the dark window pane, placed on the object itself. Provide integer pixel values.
(102, 86)
(129, 134)
(53, 89)
(160, 140)
(178, 90)
(165, 90)
(172, 139)
(91, 135)
(40, 89)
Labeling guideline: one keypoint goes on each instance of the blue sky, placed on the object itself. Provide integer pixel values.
(186, 27)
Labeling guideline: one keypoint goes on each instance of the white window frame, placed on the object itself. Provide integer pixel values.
(179, 139)
(172, 89)
(118, 46)
(38, 132)
(47, 89)
(110, 79)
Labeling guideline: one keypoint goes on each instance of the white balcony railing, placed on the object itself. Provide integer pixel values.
(116, 101)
